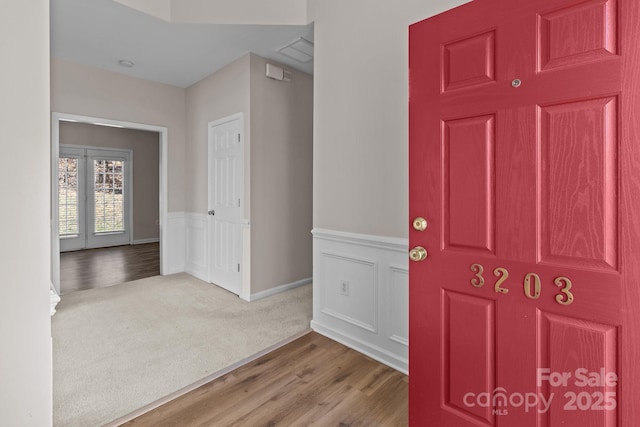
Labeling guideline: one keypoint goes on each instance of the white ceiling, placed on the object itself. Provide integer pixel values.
(99, 33)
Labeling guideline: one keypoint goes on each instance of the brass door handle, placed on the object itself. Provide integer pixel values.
(419, 224)
(418, 254)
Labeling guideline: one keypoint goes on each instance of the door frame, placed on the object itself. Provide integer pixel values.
(56, 118)
(245, 244)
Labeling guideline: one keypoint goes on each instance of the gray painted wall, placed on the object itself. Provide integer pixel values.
(222, 94)
(278, 135)
(87, 91)
(145, 146)
(281, 177)
(361, 157)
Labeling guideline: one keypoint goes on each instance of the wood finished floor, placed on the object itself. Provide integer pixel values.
(97, 268)
(312, 381)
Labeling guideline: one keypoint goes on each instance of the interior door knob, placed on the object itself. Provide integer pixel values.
(418, 254)
(211, 212)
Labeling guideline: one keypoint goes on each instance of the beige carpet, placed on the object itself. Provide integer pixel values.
(120, 348)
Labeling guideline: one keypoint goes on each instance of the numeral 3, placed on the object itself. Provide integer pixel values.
(566, 297)
(478, 280)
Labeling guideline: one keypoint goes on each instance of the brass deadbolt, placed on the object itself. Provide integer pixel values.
(420, 224)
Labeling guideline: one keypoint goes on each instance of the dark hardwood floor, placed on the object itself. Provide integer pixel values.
(311, 381)
(97, 268)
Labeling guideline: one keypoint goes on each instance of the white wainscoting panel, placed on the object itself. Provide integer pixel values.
(398, 307)
(348, 279)
(361, 293)
(196, 245)
(176, 244)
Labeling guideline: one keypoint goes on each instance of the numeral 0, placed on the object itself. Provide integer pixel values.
(536, 286)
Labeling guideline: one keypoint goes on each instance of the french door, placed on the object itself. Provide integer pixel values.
(524, 200)
(93, 197)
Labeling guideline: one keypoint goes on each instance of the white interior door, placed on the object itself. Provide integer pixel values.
(226, 164)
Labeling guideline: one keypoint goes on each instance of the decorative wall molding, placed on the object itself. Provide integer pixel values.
(175, 243)
(361, 293)
(363, 314)
(399, 297)
(380, 242)
(278, 289)
(196, 236)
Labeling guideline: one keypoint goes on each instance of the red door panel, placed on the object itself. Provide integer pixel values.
(525, 161)
(469, 183)
(579, 183)
(460, 339)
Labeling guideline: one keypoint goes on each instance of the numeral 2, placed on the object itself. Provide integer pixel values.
(503, 275)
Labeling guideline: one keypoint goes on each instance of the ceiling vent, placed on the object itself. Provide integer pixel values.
(300, 50)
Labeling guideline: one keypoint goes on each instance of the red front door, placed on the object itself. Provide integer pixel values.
(525, 163)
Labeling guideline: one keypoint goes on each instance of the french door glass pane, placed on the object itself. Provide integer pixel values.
(68, 197)
(109, 197)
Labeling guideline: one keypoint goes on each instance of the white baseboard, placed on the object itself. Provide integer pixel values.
(361, 293)
(374, 352)
(143, 241)
(278, 289)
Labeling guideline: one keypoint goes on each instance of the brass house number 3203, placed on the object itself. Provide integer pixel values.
(531, 284)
